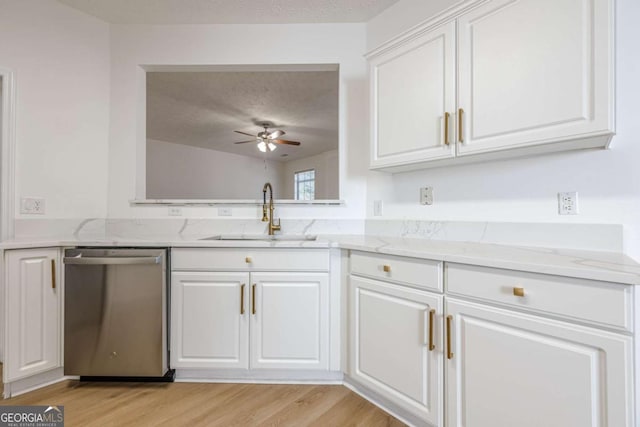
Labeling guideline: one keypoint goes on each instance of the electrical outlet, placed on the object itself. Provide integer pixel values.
(32, 206)
(175, 211)
(426, 196)
(225, 212)
(377, 208)
(568, 203)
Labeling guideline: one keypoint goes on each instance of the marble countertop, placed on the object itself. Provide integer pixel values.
(605, 266)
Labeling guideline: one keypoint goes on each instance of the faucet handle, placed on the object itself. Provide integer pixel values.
(276, 226)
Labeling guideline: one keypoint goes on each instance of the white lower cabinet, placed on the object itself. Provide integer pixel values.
(33, 303)
(515, 348)
(249, 320)
(207, 311)
(289, 321)
(396, 345)
(512, 369)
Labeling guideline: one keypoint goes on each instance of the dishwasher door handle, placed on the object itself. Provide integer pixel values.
(113, 260)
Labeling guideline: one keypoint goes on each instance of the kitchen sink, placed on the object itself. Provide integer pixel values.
(264, 237)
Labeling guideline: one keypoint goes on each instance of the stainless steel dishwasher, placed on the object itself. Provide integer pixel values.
(115, 320)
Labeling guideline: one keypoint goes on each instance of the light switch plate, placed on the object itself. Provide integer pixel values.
(32, 206)
(377, 208)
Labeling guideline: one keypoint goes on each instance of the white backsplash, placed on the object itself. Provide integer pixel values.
(59, 228)
(595, 237)
(189, 229)
(181, 228)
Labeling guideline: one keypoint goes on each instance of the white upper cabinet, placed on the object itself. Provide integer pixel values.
(535, 72)
(532, 76)
(412, 88)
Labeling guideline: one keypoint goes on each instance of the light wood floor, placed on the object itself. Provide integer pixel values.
(203, 404)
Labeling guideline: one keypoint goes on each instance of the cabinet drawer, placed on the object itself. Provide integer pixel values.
(245, 259)
(600, 303)
(417, 272)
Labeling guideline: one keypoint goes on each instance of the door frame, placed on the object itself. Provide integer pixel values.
(7, 154)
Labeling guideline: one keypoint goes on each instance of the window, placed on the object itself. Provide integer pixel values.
(305, 185)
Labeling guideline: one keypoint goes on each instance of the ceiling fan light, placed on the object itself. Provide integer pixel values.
(272, 146)
(262, 146)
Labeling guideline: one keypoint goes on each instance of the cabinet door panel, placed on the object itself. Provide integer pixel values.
(533, 71)
(389, 345)
(208, 328)
(412, 87)
(289, 329)
(33, 313)
(512, 369)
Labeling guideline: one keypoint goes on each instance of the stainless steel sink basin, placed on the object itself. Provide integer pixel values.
(264, 237)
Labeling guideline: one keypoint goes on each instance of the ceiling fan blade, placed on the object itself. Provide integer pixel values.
(244, 133)
(244, 142)
(284, 141)
(275, 134)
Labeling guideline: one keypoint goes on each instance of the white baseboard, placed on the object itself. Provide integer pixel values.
(18, 387)
(258, 377)
(384, 404)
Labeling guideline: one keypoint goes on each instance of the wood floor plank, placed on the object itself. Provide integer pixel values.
(207, 404)
(308, 407)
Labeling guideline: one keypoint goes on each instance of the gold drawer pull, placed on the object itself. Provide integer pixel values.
(432, 319)
(449, 352)
(248, 260)
(253, 299)
(53, 273)
(519, 292)
(386, 268)
(242, 299)
(460, 136)
(446, 128)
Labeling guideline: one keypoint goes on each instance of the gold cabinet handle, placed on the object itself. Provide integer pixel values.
(449, 352)
(519, 292)
(242, 299)
(53, 274)
(253, 299)
(432, 319)
(446, 128)
(386, 268)
(248, 260)
(460, 114)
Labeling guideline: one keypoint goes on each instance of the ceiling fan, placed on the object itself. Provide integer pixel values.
(267, 140)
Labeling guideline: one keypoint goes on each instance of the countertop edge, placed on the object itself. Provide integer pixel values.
(589, 265)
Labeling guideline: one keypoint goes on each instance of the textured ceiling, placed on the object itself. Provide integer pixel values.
(203, 109)
(230, 11)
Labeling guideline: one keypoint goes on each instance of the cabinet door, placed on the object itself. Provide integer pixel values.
(289, 321)
(209, 320)
(390, 331)
(510, 369)
(412, 87)
(535, 72)
(34, 334)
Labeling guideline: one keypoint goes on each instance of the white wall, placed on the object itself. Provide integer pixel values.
(178, 171)
(326, 167)
(60, 58)
(525, 190)
(133, 45)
